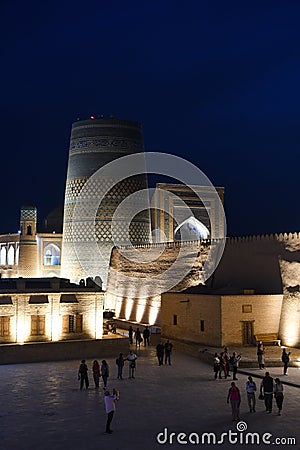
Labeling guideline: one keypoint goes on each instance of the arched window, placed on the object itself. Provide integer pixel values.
(48, 258)
(17, 255)
(29, 230)
(11, 256)
(51, 255)
(191, 229)
(3, 256)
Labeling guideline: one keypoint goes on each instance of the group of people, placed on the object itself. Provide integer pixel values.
(139, 336)
(164, 352)
(103, 371)
(269, 388)
(99, 371)
(285, 357)
(223, 363)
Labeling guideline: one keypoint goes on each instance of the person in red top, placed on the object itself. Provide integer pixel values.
(235, 400)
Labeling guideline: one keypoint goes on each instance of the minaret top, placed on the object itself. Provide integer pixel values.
(101, 121)
(28, 212)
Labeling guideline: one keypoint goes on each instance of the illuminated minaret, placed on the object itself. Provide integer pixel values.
(28, 251)
(94, 144)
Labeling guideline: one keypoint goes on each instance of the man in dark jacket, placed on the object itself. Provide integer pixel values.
(168, 352)
(83, 375)
(160, 349)
(146, 336)
(285, 358)
(266, 389)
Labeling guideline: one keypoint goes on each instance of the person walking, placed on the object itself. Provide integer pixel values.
(83, 375)
(266, 389)
(168, 347)
(260, 355)
(222, 366)
(146, 336)
(110, 407)
(235, 359)
(131, 358)
(285, 358)
(234, 397)
(251, 389)
(227, 360)
(96, 373)
(120, 365)
(138, 338)
(216, 365)
(130, 334)
(104, 373)
(278, 394)
(160, 350)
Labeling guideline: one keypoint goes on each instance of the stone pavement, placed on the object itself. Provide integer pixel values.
(43, 408)
(272, 355)
(249, 365)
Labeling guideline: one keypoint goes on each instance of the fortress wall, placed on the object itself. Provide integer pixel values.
(250, 263)
(134, 288)
(268, 264)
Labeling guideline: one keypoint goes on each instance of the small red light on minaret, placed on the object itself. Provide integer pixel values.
(92, 117)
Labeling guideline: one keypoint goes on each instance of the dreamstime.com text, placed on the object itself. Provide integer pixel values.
(241, 436)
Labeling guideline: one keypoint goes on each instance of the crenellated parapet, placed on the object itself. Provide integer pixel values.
(264, 237)
(173, 244)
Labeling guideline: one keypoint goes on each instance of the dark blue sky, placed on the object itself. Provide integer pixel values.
(214, 82)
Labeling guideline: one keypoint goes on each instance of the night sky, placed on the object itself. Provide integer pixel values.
(214, 82)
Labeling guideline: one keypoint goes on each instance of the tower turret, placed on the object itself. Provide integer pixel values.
(94, 144)
(28, 251)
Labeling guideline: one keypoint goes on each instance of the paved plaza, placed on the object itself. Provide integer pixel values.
(43, 408)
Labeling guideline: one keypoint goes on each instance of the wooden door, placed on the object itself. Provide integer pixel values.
(247, 332)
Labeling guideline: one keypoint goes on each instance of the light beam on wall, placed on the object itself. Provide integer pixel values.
(128, 307)
(56, 327)
(140, 310)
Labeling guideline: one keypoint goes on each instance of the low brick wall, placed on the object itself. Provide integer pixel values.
(60, 351)
(249, 358)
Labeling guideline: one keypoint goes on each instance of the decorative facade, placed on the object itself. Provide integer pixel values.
(49, 309)
(29, 253)
(204, 207)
